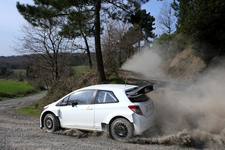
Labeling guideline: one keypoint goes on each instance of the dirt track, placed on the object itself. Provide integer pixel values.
(22, 132)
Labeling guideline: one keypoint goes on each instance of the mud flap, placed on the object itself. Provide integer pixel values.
(105, 127)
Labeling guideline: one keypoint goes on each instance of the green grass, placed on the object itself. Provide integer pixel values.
(13, 89)
(81, 69)
(116, 80)
(10, 86)
(18, 71)
(31, 110)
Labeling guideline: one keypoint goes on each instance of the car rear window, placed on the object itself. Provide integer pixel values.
(141, 98)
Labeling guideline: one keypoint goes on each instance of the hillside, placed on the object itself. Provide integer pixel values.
(184, 66)
(13, 62)
(20, 62)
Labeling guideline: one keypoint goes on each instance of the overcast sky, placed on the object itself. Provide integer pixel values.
(11, 20)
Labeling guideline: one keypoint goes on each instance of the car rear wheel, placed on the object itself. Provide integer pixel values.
(51, 123)
(121, 130)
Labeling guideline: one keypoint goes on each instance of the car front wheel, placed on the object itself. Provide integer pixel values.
(121, 130)
(51, 123)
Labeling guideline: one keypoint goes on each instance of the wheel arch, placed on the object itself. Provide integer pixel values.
(114, 118)
(125, 115)
(107, 129)
(43, 116)
(110, 125)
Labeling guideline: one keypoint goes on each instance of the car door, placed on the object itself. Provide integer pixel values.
(78, 111)
(106, 104)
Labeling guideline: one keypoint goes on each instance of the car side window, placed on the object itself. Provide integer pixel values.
(81, 97)
(65, 99)
(105, 97)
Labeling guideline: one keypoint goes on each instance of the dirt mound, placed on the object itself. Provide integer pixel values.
(185, 66)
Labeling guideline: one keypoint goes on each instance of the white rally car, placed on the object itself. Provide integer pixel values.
(120, 110)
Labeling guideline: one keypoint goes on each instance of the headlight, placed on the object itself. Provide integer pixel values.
(45, 107)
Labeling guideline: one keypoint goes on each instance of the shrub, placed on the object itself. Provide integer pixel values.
(205, 51)
(116, 80)
(38, 86)
(161, 45)
(177, 45)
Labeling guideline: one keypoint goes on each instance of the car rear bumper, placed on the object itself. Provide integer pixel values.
(142, 123)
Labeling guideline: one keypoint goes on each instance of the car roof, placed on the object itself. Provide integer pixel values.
(111, 87)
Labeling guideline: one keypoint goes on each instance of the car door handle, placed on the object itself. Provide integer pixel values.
(89, 108)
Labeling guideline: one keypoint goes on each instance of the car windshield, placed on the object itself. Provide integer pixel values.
(141, 98)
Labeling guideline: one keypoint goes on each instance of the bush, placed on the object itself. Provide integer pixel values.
(6, 95)
(177, 45)
(205, 51)
(161, 45)
(38, 86)
(116, 80)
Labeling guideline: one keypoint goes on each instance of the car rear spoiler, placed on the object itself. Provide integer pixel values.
(139, 91)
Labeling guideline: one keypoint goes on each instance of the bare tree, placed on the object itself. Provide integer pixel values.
(48, 51)
(166, 19)
(111, 43)
(118, 42)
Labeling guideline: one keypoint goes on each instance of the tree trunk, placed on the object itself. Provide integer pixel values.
(88, 51)
(120, 58)
(100, 66)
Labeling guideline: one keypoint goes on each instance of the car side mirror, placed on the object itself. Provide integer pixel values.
(74, 103)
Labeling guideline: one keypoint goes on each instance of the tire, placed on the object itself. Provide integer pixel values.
(51, 123)
(121, 130)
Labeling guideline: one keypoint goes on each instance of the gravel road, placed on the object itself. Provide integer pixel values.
(18, 131)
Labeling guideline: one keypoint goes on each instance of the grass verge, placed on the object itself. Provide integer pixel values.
(81, 69)
(31, 110)
(116, 80)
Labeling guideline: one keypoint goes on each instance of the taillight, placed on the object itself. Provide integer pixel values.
(136, 109)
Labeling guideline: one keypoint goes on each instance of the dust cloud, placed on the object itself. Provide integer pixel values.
(146, 62)
(191, 115)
